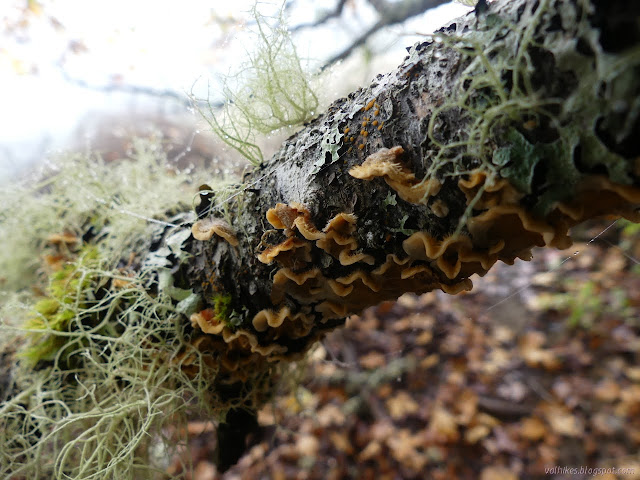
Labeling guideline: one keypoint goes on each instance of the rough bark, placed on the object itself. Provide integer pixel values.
(497, 135)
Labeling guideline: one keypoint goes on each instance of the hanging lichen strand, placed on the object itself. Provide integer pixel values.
(494, 136)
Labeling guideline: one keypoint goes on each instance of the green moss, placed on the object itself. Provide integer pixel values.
(69, 289)
(222, 307)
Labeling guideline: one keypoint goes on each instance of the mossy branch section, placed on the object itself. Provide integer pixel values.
(496, 134)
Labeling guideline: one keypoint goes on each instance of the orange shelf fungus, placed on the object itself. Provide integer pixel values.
(293, 250)
(207, 322)
(385, 163)
(439, 208)
(455, 255)
(518, 229)
(204, 229)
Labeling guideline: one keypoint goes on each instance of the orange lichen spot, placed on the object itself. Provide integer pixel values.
(55, 262)
(380, 126)
(439, 208)
(370, 105)
(364, 124)
(377, 112)
(374, 123)
(207, 227)
(364, 133)
(346, 130)
(384, 163)
(351, 139)
(361, 146)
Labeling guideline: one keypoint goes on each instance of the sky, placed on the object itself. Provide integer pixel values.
(57, 57)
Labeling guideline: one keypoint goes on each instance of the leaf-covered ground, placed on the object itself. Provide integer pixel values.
(538, 368)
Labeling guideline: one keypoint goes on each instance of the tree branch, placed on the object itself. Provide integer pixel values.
(497, 135)
(390, 14)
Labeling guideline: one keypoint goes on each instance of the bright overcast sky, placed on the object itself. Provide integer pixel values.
(163, 45)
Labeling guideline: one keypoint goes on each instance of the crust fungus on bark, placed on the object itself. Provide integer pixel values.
(496, 135)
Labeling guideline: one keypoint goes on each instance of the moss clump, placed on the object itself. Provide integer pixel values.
(222, 308)
(68, 291)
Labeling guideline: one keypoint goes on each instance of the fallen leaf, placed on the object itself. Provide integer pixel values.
(477, 433)
(533, 429)
(373, 360)
(533, 353)
(341, 442)
(562, 421)
(330, 414)
(497, 473)
(633, 373)
(401, 405)
(430, 361)
(372, 450)
(424, 338)
(607, 391)
(307, 445)
(444, 425)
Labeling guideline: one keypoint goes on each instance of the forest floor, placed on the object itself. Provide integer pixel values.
(533, 373)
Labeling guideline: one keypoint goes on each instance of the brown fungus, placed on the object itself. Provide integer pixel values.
(385, 163)
(205, 228)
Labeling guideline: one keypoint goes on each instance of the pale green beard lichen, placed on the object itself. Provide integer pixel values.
(98, 374)
(270, 91)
